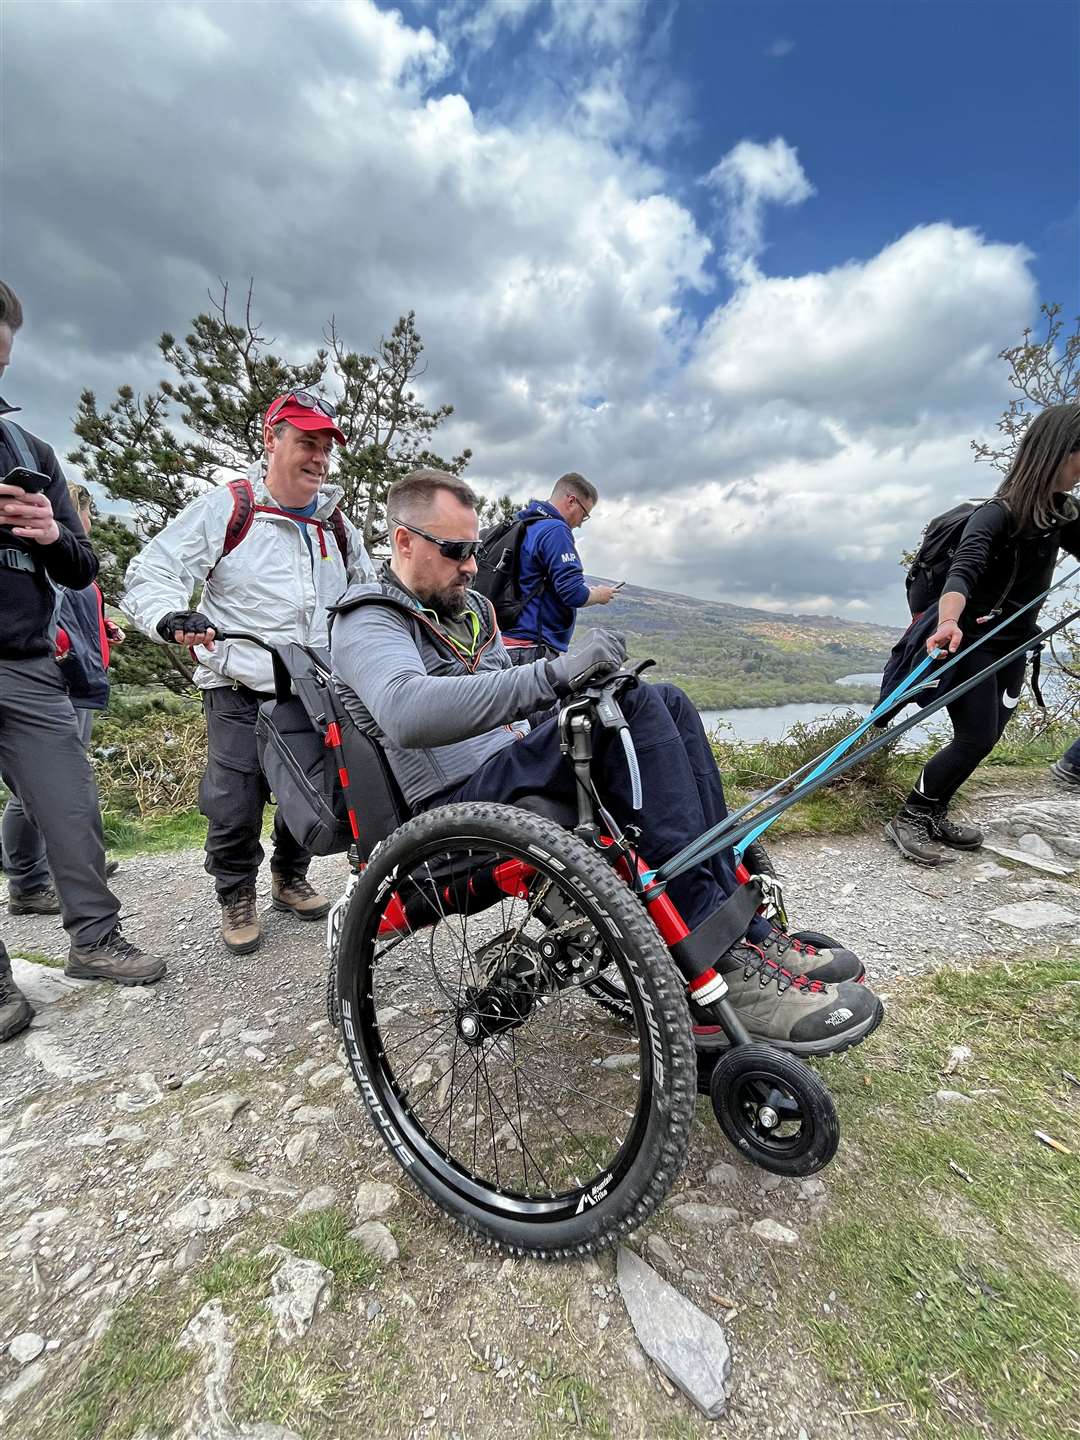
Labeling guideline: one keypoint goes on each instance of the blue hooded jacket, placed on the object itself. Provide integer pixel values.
(549, 556)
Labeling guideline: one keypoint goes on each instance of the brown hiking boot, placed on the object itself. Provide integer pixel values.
(114, 958)
(16, 1012)
(34, 902)
(292, 892)
(240, 928)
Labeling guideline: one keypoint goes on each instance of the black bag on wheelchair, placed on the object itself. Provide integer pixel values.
(332, 784)
(296, 750)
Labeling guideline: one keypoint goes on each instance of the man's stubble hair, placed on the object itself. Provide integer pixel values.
(412, 497)
(574, 484)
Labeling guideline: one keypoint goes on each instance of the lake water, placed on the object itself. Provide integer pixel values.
(769, 722)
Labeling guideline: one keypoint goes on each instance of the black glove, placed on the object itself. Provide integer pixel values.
(191, 622)
(598, 652)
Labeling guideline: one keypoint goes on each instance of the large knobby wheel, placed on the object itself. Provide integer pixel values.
(488, 1072)
(775, 1110)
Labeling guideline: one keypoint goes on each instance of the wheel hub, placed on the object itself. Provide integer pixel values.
(511, 964)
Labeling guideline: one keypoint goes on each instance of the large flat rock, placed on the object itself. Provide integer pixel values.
(1023, 857)
(1032, 915)
(41, 984)
(687, 1345)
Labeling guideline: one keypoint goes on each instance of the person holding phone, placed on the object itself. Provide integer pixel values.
(42, 545)
(84, 636)
(551, 573)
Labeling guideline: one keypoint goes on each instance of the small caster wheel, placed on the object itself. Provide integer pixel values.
(774, 1109)
(816, 938)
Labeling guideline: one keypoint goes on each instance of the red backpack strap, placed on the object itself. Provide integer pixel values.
(341, 534)
(243, 512)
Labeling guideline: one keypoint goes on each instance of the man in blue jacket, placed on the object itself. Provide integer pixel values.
(551, 573)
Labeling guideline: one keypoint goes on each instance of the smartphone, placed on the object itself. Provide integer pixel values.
(32, 481)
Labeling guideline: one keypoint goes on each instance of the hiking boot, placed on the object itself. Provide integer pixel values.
(16, 1012)
(292, 892)
(960, 837)
(34, 902)
(111, 867)
(832, 965)
(1065, 774)
(240, 927)
(910, 832)
(803, 1016)
(114, 958)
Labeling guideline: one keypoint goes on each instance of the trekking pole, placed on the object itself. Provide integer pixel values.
(729, 832)
(819, 762)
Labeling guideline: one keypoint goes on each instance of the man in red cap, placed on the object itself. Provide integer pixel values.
(271, 553)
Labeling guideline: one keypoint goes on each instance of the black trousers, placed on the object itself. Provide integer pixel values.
(682, 791)
(978, 720)
(233, 792)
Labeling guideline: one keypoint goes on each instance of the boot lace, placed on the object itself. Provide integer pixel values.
(116, 943)
(769, 972)
(944, 826)
(920, 822)
(240, 910)
(299, 885)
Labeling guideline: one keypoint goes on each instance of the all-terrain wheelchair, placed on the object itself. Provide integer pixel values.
(512, 990)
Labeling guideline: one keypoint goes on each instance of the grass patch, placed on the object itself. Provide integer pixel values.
(130, 1383)
(958, 1305)
(152, 834)
(323, 1237)
(35, 957)
(570, 1404)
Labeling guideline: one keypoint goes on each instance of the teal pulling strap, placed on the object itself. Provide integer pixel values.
(729, 832)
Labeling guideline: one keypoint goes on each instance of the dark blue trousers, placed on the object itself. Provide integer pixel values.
(683, 794)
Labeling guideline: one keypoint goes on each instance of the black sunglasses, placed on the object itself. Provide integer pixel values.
(309, 402)
(449, 549)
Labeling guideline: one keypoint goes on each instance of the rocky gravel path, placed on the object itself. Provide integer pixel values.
(147, 1134)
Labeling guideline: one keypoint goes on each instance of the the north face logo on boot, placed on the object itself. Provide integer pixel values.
(838, 1017)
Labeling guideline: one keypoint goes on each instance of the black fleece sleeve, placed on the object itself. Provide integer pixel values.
(1070, 539)
(982, 534)
(70, 559)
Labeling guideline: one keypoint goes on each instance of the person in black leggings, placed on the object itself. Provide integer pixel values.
(1013, 541)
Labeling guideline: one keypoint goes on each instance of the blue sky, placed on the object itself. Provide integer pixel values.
(748, 266)
(903, 111)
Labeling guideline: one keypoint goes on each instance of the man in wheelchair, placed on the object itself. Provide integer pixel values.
(421, 666)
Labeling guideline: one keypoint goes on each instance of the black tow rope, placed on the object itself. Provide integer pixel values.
(736, 827)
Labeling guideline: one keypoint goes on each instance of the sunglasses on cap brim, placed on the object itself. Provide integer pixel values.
(448, 549)
(308, 401)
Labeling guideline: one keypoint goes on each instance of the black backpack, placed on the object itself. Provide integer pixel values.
(935, 553)
(498, 568)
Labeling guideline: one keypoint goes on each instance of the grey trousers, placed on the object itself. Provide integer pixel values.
(44, 761)
(22, 845)
(233, 792)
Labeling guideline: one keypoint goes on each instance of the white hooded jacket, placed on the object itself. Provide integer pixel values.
(270, 585)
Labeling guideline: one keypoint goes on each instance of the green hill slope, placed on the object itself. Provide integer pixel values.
(726, 656)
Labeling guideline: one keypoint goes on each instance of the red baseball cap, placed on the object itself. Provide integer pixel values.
(305, 411)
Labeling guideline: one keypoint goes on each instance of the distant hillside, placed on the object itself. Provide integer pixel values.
(728, 656)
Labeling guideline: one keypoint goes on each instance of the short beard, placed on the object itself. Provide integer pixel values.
(449, 601)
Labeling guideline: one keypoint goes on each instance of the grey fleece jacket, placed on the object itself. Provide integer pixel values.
(437, 713)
